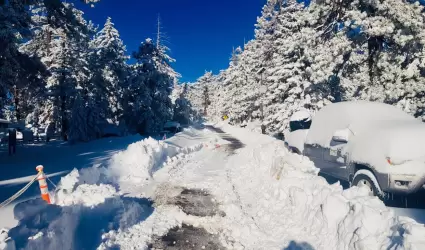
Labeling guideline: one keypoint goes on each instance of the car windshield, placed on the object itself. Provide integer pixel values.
(297, 125)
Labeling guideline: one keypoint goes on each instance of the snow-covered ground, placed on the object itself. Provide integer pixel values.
(58, 159)
(230, 187)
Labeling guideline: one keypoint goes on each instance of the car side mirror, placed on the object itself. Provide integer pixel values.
(341, 136)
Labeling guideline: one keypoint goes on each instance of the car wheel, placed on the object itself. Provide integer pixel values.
(364, 180)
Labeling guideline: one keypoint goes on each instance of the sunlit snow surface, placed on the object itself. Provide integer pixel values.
(204, 192)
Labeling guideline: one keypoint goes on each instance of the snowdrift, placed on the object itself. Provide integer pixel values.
(274, 199)
(91, 201)
(289, 202)
(271, 198)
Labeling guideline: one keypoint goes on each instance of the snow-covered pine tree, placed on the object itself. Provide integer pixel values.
(109, 71)
(182, 107)
(370, 50)
(149, 91)
(163, 61)
(94, 117)
(393, 34)
(20, 75)
(61, 41)
(78, 131)
(206, 96)
(289, 87)
(137, 100)
(329, 51)
(196, 97)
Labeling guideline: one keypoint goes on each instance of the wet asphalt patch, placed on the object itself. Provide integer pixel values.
(234, 142)
(187, 237)
(197, 203)
(194, 202)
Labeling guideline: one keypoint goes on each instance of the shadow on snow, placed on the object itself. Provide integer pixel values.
(293, 245)
(43, 226)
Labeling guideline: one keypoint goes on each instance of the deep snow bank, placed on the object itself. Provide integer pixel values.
(77, 226)
(135, 165)
(91, 201)
(271, 198)
(289, 202)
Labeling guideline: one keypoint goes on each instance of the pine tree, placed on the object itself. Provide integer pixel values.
(108, 64)
(20, 74)
(182, 107)
(330, 51)
(163, 61)
(206, 101)
(78, 131)
(61, 41)
(149, 91)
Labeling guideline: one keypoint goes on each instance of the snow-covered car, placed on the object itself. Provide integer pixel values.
(172, 127)
(367, 144)
(299, 124)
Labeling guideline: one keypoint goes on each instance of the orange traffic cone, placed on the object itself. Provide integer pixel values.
(43, 184)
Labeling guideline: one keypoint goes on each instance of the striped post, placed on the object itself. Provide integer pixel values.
(43, 184)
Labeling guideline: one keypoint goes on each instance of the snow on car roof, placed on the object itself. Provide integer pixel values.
(171, 124)
(356, 115)
(301, 115)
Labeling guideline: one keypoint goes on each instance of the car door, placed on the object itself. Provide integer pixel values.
(315, 154)
(336, 160)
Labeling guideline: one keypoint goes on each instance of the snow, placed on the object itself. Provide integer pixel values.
(376, 132)
(297, 139)
(401, 142)
(134, 166)
(417, 215)
(301, 115)
(342, 135)
(6, 243)
(360, 116)
(58, 160)
(372, 177)
(269, 199)
(172, 125)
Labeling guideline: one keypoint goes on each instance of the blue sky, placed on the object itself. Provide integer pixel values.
(201, 33)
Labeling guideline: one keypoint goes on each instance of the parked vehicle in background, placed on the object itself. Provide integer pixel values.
(4, 125)
(46, 133)
(172, 127)
(299, 124)
(367, 144)
(22, 134)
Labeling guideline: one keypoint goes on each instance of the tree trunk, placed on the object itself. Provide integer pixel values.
(17, 109)
(64, 126)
